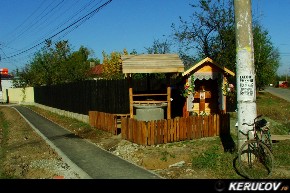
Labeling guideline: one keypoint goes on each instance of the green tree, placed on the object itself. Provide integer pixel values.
(206, 33)
(55, 64)
(267, 57)
(210, 32)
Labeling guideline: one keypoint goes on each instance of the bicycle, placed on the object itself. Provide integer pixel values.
(255, 155)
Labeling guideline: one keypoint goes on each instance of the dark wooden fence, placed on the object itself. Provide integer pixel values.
(173, 130)
(109, 96)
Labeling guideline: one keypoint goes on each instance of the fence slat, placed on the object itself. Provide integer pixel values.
(165, 131)
(158, 133)
(124, 126)
(143, 133)
(205, 126)
(152, 123)
(149, 138)
(188, 128)
(162, 122)
(176, 131)
(172, 131)
(181, 126)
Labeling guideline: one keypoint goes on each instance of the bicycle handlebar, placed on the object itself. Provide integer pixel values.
(259, 116)
(248, 124)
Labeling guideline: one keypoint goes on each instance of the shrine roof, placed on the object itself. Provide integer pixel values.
(152, 63)
(204, 61)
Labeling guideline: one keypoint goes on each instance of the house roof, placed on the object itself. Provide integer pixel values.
(206, 60)
(97, 70)
(152, 63)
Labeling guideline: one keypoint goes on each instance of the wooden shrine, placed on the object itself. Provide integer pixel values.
(151, 63)
(208, 79)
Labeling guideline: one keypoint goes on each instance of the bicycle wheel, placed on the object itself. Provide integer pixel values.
(266, 138)
(255, 159)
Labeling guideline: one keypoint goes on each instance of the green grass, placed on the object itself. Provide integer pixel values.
(276, 111)
(210, 157)
(4, 130)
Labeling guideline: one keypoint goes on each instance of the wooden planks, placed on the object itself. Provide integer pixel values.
(152, 63)
(162, 131)
(173, 130)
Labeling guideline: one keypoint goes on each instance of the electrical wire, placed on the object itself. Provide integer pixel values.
(70, 27)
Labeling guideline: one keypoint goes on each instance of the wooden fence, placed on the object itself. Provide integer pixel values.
(173, 130)
(162, 131)
(104, 121)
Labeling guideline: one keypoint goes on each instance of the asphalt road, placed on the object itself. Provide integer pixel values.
(90, 161)
(279, 92)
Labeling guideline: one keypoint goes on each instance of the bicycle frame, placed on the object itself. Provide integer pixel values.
(255, 156)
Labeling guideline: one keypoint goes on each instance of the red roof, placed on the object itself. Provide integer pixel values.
(97, 70)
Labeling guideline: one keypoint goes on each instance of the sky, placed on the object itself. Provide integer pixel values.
(130, 24)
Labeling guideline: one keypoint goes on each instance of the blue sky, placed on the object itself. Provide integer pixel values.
(130, 24)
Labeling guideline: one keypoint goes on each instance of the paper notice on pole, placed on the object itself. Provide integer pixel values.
(247, 87)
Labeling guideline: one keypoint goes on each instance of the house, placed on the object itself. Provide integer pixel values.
(97, 70)
(5, 83)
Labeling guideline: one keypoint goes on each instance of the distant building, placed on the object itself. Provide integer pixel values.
(6, 81)
(97, 71)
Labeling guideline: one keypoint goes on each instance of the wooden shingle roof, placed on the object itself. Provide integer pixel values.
(152, 63)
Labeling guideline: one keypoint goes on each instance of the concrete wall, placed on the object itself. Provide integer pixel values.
(19, 95)
(80, 117)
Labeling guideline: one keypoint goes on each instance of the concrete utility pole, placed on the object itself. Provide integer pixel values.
(245, 70)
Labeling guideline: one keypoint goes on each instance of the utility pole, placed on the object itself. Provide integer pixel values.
(245, 70)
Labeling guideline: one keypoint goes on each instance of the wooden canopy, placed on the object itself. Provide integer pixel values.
(152, 63)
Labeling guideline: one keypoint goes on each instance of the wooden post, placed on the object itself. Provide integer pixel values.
(131, 96)
(168, 97)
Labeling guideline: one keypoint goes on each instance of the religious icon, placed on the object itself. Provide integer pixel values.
(202, 95)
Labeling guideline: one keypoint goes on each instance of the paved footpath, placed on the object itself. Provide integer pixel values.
(90, 161)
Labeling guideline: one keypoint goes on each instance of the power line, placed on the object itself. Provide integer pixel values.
(74, 24)
(39, 19)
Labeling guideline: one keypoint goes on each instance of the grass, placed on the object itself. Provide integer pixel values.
(210, 156)
(165, 154)
(276, 111)
(4, 127)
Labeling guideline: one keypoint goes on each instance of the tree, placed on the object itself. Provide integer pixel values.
(207, 31)
(55, 64)
(159, 47)
(210, 32)
(266, 57)
(112, 65)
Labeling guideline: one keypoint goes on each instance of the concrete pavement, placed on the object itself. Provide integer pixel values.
(279, 92)
(90, 161)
